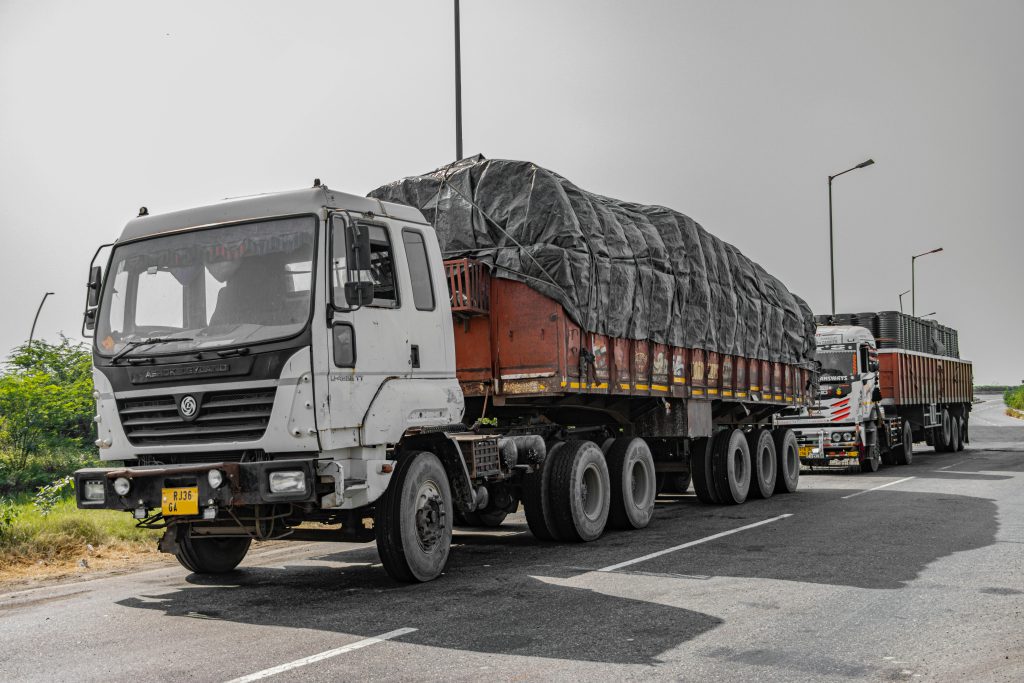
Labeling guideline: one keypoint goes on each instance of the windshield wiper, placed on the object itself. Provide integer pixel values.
(143, 342)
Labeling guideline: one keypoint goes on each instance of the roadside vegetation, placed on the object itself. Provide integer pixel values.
(1014, 399)
(46, 433)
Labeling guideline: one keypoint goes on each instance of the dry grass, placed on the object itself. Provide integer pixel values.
(1012, 412)
(69, 541)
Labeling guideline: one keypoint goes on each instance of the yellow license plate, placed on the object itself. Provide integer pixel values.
(180, 501)
(805, 451)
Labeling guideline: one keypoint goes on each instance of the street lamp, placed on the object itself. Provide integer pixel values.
(913, 297)
(831, 238)
(36, 319)
(901, 299)
(458, 86)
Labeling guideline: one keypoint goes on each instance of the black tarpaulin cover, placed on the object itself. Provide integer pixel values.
(620, 269)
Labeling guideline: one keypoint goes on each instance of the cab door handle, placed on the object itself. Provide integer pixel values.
(414, 355)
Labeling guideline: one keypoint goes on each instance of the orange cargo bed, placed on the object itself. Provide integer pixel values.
(511, 340)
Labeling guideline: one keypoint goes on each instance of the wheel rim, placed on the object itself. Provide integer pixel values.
(430, 516)
(639, 483)
(592, 492)
(739, 464)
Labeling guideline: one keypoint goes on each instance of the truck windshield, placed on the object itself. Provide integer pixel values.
(231, 285)
(836, 366)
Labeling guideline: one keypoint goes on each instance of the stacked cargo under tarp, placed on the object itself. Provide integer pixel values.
(619, 269)
(895, 330)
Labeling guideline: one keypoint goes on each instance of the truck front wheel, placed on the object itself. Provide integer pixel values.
(209, 555)
(414, 519)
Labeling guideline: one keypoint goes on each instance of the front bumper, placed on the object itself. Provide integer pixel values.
(244, 484)
(816, 446)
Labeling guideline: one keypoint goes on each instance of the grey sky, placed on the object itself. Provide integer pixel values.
(734, 113)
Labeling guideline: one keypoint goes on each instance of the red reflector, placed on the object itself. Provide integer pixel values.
(386, 468)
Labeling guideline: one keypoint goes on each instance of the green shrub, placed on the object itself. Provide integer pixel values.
(1015, 398)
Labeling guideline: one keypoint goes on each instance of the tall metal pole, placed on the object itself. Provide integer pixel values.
(913, 292)
(831, 238)
(36, 319)
(458, 87)
(902, 294)
(831, 247)
(913, 289)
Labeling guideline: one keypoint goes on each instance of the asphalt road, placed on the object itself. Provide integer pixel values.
(913, 573)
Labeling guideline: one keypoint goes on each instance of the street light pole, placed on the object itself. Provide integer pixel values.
(458, 86)
(831, 235)
(913, 291)
(36, 319)
(901, 299)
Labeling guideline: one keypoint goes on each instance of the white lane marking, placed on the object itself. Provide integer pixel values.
(683, 546)
(953, 465)
(891, 483)
(323, 655)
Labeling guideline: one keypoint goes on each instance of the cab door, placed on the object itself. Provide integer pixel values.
(369, 344)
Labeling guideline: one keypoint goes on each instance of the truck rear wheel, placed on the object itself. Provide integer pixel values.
(633, 483)
(730, 467)
(944, 434)
(787, 454)
(764, 463)
(904, 453)
(414, 519)
(210, 555)
(965, 435)
(579, 491)
(701, 451)
(955, 443)
(535, 498)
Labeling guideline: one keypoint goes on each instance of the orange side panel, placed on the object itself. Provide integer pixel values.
(473, 349)
(530, 334)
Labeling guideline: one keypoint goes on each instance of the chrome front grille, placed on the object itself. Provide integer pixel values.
(240, 415)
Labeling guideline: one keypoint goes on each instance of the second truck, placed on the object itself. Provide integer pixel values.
(319, 365)
(887, 381)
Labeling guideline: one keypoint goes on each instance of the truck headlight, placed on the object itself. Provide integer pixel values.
(835, 436)
(847, 436)
(122, 486)
(288, 481)
(93, 490)
(215, 477)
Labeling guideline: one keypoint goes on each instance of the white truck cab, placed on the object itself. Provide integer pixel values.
(265, 353)
(842, 426)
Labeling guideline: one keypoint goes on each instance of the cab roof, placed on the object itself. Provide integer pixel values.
(847, 334)
(261, 206)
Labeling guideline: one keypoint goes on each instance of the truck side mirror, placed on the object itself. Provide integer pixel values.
(95, 281)
(358, 247)
(90, 319)
(358, 293)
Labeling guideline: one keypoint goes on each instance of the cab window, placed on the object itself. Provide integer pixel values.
(382, 266)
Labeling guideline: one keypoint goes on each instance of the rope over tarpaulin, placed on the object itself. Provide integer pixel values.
(620, 269)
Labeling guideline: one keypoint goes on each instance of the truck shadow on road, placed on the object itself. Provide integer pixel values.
(503, 594)
(501, 612)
